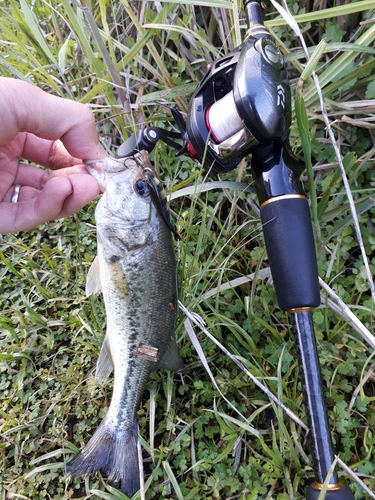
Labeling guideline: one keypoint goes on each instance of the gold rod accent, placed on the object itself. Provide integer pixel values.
(330, 487)
(256, 29)
(300, 309)
(284, 197)
(258, 25)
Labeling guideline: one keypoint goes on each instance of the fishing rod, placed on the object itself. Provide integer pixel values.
(242, 107)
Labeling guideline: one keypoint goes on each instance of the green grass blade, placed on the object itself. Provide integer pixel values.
(106, 57)
(173, 480)
(318, 14)
(36, 31)
(314, 60)
(361, 208)
(304, 131)
(348, 161)
(183, 30)
(226, 4)
(75, 20)
(338, 67)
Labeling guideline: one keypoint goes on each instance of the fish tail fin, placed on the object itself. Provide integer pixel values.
(111, 453)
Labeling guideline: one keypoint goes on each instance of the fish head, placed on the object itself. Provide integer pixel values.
(124, 214)
(127, 194)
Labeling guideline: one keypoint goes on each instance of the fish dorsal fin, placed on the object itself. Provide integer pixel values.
(104, 366)
(93, 283)
(171, 359)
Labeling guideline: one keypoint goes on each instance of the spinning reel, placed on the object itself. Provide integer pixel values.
(241, 107)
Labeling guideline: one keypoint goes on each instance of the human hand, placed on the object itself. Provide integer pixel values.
(52, 132)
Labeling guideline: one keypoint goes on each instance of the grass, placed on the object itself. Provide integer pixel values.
(200, 439)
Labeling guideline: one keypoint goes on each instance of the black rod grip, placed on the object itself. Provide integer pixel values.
(291, 251)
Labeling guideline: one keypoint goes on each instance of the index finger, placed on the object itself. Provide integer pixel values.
(25, 108)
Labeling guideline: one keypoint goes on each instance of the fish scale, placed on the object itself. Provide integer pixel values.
(136, 270)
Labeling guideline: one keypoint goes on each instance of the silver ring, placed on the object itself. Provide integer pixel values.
(16, 193)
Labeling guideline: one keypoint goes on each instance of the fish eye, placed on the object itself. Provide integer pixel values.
(141, 187)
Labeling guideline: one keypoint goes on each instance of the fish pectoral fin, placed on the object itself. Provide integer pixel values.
(93, 283)
(171, 360)
(104, 366)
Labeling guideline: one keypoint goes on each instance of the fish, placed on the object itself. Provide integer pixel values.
(136, 270)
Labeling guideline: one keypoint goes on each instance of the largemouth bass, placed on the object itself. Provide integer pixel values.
(136, 270)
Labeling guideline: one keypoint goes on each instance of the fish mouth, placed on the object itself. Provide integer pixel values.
(118, 169)
(104, 169)
(94, 170)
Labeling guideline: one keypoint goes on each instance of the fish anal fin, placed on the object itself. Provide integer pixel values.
(171, 360)
(104, 366)
(93, 283)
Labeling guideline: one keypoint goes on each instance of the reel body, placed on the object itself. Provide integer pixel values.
(242, 102)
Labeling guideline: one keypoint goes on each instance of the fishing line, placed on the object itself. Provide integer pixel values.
(162, 208)
(223, 119)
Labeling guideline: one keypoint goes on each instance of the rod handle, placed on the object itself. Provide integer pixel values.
(291, 251)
